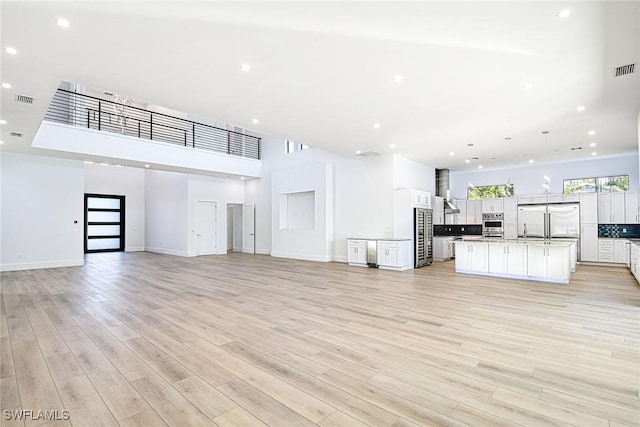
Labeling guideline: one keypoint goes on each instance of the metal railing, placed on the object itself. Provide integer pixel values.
(90, 112)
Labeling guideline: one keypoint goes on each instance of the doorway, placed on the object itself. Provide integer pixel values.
(206, 227)
(234, 227)
(103, 223)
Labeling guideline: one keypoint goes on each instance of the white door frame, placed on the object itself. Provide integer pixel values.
(248, 229)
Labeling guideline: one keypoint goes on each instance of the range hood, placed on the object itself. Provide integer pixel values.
(442, 190)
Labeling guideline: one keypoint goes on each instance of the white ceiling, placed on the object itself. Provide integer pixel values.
(321, 72)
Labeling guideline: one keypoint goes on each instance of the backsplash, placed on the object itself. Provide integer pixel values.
(457, 230)
(625, 231)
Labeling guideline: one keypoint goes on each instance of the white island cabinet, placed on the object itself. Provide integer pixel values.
(508, 259)
(520, 259)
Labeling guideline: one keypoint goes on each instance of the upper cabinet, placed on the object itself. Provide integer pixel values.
(632, 208)
(563, 198)
(493, 205)
(532, 200)
(438, 210)
(588, 208)
(510, 210)
(474, 212)
(421, 199)
(611, 208)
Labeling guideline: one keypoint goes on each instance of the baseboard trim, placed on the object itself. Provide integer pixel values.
(168, 252)
(302, 257)
(41, 265)
(135, 249)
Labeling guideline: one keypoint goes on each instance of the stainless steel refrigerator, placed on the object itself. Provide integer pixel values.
(550, 221)
(423, 236)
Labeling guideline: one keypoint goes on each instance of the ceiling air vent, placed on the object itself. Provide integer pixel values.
(16, 134)
(369, 154)
(625, 69)
(24, 98)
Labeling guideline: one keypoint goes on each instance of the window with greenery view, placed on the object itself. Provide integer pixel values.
(597, 185)
(487, 191)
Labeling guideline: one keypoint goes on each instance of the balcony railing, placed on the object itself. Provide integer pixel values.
(95, 113)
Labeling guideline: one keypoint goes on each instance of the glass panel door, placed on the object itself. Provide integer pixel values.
(104, 223)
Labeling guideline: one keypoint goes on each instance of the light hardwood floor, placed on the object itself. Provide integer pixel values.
(142, 339)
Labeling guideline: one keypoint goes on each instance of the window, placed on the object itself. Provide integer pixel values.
(604, 184)
(290, 146)
(486, 191)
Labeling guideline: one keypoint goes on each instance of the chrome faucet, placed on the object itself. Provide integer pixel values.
(525, 230)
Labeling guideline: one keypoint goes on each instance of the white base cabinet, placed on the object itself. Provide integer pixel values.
(472, 256)
(634, 259)
(394, 254)
(442, 248)
(357, 252)
(550, 263)
(508, 259)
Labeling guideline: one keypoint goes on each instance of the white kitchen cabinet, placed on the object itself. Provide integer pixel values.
(589, 243)
(438, 210)
(508, 259)
(493, 205)
(357, 252)
(611, 208)
(588, 208)
(620, 251)
(471, 256)
(632, 207)
(421, 199)
(529, 200)
(394, 254)
(605, 250)
(460, 218)
(634, 259)
(510, 205)
(442, 248)
(474, 212)
(563, 198)
(548, 262)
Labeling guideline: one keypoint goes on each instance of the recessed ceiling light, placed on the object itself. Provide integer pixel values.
(11, 50)
(581, 108)
(242, 177)
(452, 153)
(592, 132)
(563, 13)
(6, 85)
(467, 161)
(593, 144)
(358, 152)
(480, 167)
(527, 86)
(530, 160)
(376, 125)
(245, 67)
(62, 22)
(1, 142)
(255, 121)
(392, 145)
(594, 154)
(3, 122)
(397, 78)
(147, 166)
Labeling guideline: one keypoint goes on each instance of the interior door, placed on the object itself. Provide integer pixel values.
(206, 223)
(248, 229)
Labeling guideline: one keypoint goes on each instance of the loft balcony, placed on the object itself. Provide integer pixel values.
(93, 126)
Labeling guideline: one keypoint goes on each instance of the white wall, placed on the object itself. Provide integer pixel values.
(220, 190)
(528, 180)
(166, 212)
(363, 194)
(42, 212)
(128, 182)
(292, 238)
(414, 175)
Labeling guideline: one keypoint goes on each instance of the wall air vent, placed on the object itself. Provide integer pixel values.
(576, 148)
(16, 134)
(369, 154)
(25, 99)
(624, 70)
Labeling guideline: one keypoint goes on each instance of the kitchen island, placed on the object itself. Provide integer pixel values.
(542, 260)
